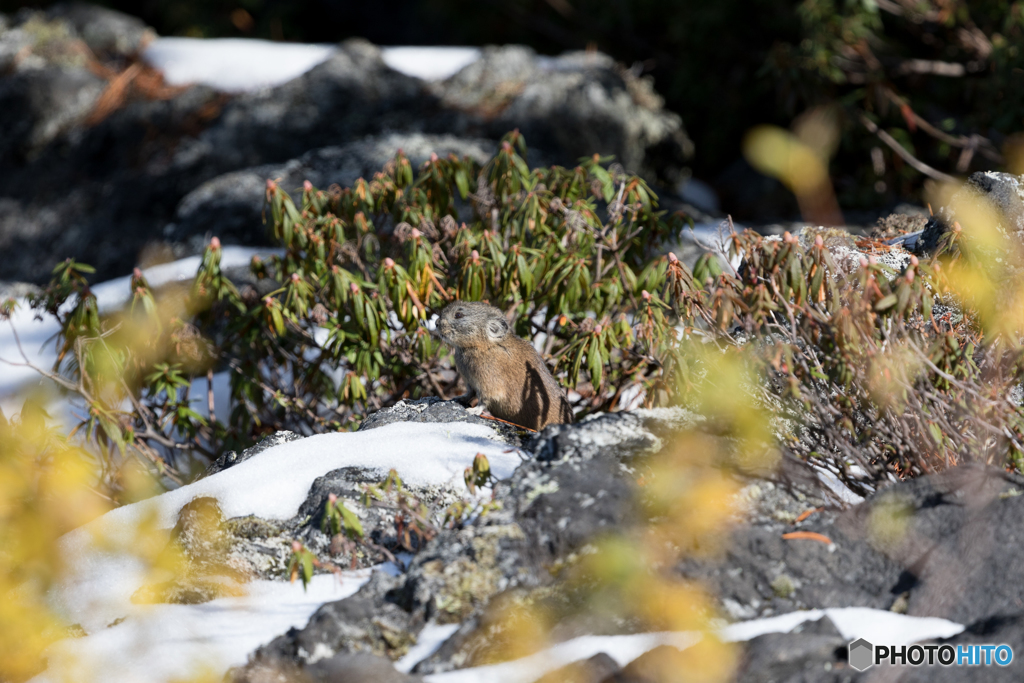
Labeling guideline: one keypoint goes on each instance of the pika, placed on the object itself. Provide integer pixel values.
(505, 371)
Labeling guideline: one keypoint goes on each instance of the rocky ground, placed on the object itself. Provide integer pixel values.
(944, 545)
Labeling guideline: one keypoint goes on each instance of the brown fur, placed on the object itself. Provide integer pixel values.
(506, 372)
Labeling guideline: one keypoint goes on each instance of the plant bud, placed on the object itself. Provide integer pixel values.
(913, 260)
(389, 263)
(307, 186)
(214, 243)
(672, 258)
(354, 287)
(646, 295)
(818, 241)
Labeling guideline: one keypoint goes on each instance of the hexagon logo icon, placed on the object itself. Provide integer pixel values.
(861, 654)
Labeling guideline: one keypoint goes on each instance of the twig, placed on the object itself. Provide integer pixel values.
(498, 419)
(903, 153)
(983, 145)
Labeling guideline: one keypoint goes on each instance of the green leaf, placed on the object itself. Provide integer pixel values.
(462, 182)
(886, 303)
(350, 522)
(307, 568)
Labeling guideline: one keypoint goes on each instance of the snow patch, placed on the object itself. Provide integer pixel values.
(168, 642)
(272, 485)
(428, 641)
(233, 64)
(879, 626)
(236, 65)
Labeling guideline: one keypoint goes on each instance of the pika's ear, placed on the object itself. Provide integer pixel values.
(497, 329)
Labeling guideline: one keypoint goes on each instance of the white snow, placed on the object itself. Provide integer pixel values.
(877, 626)
(272, 485)
(427, 643)
(716, 237)
(168, 642)
(110, 296)
(835, 484)
(242, 64)
(233, 64)
(430, 63)
(623, 649)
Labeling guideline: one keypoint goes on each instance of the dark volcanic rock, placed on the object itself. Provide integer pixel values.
(958, 534)
(433, 409)
(999, 629)
(813, 652)
(230, 458)
(946, 545)
(357, 668)
(231, 206)
(763, 574)
(106, 32)
(570, 106)
(593, 670)
(1003, 192)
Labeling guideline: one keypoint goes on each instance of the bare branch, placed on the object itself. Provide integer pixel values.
(903, 153)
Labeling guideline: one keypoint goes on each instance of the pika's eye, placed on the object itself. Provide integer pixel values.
(458, 314)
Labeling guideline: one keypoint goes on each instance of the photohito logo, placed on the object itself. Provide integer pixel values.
(863, 655)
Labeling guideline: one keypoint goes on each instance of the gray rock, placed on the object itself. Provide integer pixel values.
(763, 574)
(813, 652)
(1003, 628)
(230, 458)
(944, 545)
(106, 32)
(574, 105)
(593, 670)
(958, 535)
(38, 105)
(97, 194)
(433, 409)
(348, 96)
(357, 668)
(986, 190)
(231, 206)
(652, 666)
